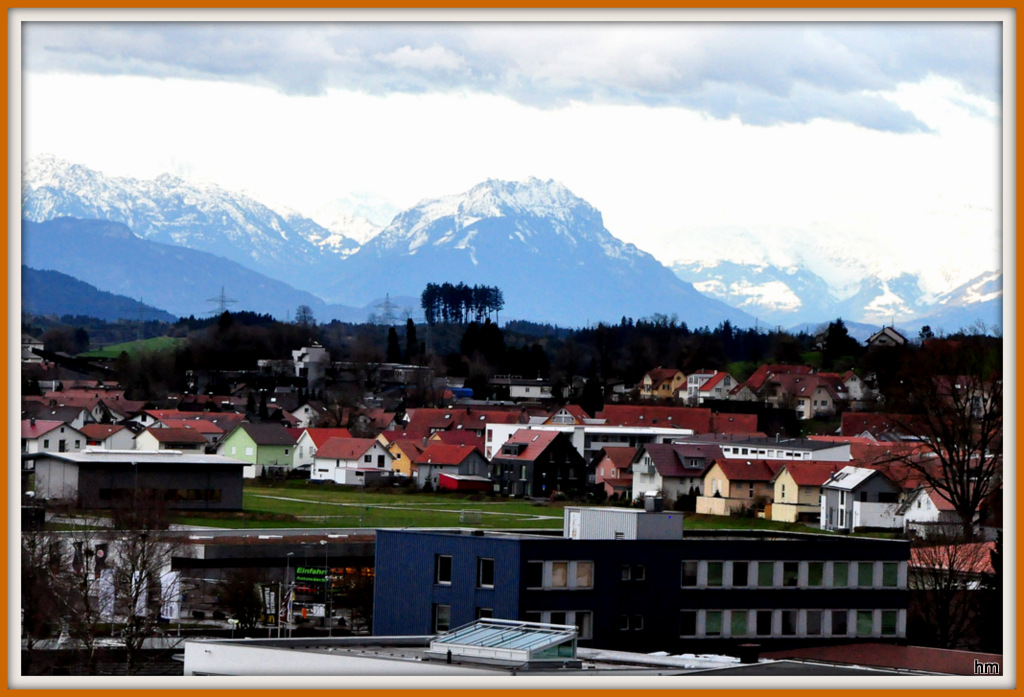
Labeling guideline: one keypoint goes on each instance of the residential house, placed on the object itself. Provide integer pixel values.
(523, 389)
(693, 382)
(859, 497)
(404, 452)
(351, 461)
(75, 417)
(568, 415)
(307, 440)
(50, 437)
(661, 383)
(439, 460)
(886, 337)
(29, 346)
(732, 485)
(925, 513)
(209, 430)
(796, 494)
(612, 470)
(183, 439)
(674, 469)
(535, 463)
(260, 446)
(309, 414)
(718, 386)
(108, 436)
(809, 395)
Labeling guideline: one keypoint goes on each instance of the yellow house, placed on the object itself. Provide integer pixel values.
(797, 490)
(404, 453)
(733, 484)
(661, 383)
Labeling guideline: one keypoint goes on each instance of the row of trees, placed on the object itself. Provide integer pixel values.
(460, 303)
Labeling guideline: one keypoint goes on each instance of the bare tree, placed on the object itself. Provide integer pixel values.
(956, 391)
(141, 570)
(946, 580)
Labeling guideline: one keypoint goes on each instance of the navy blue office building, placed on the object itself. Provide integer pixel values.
(702, 592)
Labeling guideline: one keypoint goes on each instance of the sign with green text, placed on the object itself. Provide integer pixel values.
(310, 574)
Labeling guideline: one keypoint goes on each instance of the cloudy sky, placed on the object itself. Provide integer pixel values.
(780, 141)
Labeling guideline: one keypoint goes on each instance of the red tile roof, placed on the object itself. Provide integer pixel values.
(320, 436)
(536, 443)
(443, 454)
(743, 470)
(697, 419)
(966, 558)
(810, 472)
(34, 429)
(621, 456)
(201, 425)
(176, 435)
(345, 448)
(100, 431)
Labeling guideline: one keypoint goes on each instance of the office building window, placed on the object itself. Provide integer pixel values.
(865, 622)
(840, 574)
(839, 623)
(639, 572)
(557, 617)
(688, 623)
(713, 623)
(788, 618)
(485, 573)
(738, 623)
(442, 618)
(689, 573)
(740, 573)
(484, 612)
(814, 623)
(890, 574)
(790, 573)
(563, 575)
(764, 622)
(865, 574)
(765, 573)
(443, 569)
(889, 618)
(560, 574)
(627, 572)
(815, 573)
(715, 573)
(584, 574)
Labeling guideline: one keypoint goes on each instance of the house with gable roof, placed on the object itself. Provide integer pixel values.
(886, 337)
(108, 436)
(183, 439)
(351, 461)
(612, 470)
(718, 386)
(859, 497)
(307, 440)
(927, 513)
(404, 452)
(261, 446)
(535, 463)
(796, 490)
(675, 469)
(730, 485)
(661, 383)
(440, 462)
(40, 436)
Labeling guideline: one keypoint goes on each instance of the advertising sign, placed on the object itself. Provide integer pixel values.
(269, 592)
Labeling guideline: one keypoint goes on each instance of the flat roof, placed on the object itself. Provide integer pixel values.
(141, 457)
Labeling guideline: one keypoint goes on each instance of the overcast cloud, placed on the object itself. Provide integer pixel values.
(762, 73)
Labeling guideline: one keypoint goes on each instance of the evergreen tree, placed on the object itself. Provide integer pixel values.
(411, 344)
(394, 354)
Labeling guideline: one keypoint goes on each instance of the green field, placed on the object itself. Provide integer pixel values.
(301, 504)
(133, 348)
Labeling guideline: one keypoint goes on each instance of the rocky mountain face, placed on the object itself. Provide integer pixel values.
(547, 250)
(201, 217)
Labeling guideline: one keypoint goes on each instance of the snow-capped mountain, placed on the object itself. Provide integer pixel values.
(198, 216)
(795, 296)
(546, 248)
